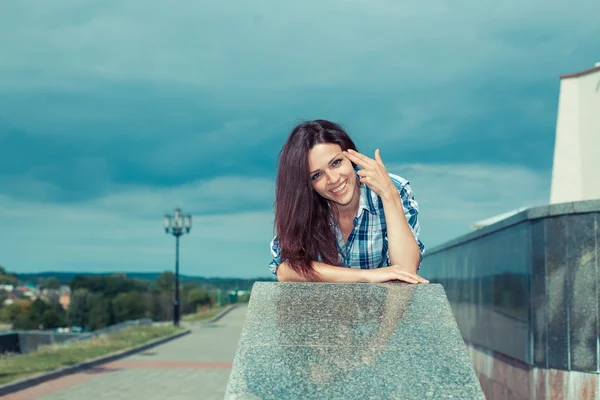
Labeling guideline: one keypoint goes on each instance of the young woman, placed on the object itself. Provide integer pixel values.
(335, 207)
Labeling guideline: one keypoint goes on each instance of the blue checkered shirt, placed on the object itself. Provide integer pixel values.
(367, 245)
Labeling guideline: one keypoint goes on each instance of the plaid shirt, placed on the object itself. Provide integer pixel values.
(367, 245)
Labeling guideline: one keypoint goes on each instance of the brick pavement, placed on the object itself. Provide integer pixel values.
(195, 366)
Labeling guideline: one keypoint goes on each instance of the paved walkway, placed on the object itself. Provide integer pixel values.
(195, 366)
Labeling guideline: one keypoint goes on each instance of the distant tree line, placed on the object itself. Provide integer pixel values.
(7, 278)
(98, 301)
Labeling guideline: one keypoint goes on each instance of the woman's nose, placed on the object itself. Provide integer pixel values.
(332, 177)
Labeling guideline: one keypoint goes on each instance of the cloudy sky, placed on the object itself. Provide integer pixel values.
(113, 113)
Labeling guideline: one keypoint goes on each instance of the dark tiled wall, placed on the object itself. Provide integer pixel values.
(582, 287)
(529, 291)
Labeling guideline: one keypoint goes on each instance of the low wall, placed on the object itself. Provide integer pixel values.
(503, 378)
(526, 289)
(27, 341)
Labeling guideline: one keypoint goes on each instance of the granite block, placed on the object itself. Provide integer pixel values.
(331, 341)
(500, 320)
(583, 292)
(587, 206)
(558, 384)
(540, 384)
(521, 381)
(502, 371)
(537, 212)
(546, 211)
(583, 386)
(499, 391)
(557, 300)
(486, 385)
(539, 310)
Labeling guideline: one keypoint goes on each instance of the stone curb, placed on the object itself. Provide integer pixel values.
(221, 314)
(34, 380)
(215, 318)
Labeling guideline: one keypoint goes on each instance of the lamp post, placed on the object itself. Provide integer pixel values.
(177, 225)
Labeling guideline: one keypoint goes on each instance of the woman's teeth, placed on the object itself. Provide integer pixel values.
(339, 189)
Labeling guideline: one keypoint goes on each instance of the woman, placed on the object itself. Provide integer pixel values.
(335, 207)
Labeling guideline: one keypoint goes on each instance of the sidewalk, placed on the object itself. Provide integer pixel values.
(195, 366)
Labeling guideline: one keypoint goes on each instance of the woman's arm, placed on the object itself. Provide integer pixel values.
(403, 248)
(331, 273)
(327, 273)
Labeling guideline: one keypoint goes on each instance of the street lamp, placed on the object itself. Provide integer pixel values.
(177, 225)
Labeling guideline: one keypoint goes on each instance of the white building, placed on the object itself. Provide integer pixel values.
(576, 168)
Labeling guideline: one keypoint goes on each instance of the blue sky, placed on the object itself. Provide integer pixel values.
(113, 113)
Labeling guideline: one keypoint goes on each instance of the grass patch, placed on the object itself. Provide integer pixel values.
(204, 314)
(49, 358)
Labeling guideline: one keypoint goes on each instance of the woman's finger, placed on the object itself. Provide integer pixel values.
(364, 159)
(378, 158)
(405, 278)
(415, 277)
(354, 159)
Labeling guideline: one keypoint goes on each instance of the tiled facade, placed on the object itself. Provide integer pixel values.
(525, 293)
(503, 378)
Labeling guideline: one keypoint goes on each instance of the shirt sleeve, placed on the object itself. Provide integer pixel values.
(411, 212)
(276, 253)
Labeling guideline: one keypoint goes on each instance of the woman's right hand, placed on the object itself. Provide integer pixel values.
(392, 273)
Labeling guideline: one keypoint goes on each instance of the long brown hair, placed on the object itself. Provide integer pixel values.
(302, 216)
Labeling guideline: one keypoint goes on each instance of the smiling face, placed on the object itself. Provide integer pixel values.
(332, 175)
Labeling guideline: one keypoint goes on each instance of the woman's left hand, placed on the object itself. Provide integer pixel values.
(373, 172)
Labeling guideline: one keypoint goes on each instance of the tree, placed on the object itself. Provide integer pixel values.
(161, 305)
(49, 283)
(101, 313)
(7, 278)
(30, 317)
(198, 297)
(51, 319)
(79, 307)
(132, 305)
(165, 281)
(109, 285)
(17, 310)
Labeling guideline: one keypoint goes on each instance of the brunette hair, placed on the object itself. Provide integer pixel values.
(302, 216)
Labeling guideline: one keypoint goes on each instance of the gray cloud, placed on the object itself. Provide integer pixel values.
(122, 108)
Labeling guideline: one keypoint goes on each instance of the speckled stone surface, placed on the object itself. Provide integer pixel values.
(533, 213)
(351, 341)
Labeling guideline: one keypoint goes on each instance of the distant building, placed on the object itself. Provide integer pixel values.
(576, 169)
(6, 288)
(65, 299)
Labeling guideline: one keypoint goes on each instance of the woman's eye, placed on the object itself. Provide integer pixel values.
(315, 176)
(336, 162)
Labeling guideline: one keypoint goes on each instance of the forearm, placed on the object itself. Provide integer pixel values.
(326, 273)
(402, 246)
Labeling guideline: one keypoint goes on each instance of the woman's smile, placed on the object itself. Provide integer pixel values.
(340, 189)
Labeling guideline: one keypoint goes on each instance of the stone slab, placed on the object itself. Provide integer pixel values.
(351, 341)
